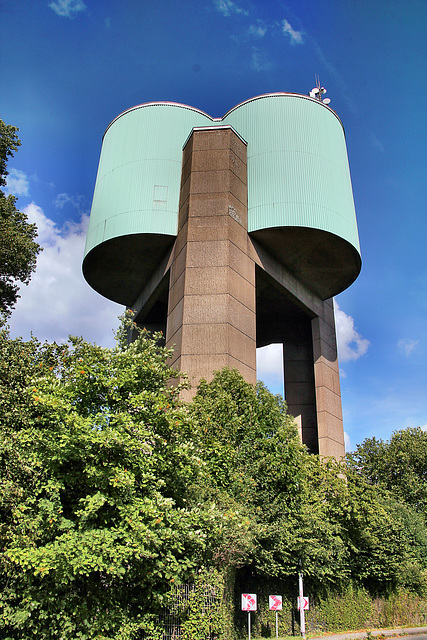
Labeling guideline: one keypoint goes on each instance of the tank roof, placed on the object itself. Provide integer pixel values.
(167, 103)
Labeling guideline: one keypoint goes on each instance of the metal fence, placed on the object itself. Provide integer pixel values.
(171, 618)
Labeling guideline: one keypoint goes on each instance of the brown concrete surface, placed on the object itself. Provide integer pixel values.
(211, 319)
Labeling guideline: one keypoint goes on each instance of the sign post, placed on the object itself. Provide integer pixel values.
(249, 604)
(275, 604)
(301, 605)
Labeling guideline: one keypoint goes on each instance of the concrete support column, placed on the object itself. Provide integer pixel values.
(299, 381)
(211, 309)
(327, 383)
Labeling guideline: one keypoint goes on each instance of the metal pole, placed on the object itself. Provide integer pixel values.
(277, 624)
(249, 625)
(301, 610)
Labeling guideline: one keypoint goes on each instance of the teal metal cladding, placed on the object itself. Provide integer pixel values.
(137, 186)
(298, 172)
(298, 178)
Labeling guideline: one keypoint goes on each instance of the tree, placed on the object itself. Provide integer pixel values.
(293, 507)
(18, 249)
(96, 507)
(399, 465)
(387, 542)
(287, 501)
(253, 458)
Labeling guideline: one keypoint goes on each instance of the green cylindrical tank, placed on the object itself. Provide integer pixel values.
(133, 220)
(300, 201)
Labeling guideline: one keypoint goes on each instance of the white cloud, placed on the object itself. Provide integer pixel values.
(227, 8)
(62, 199)
(270, 359)
(67, 8)
(47, 232)
(259, 60)
(258, 30)
(17, 183)
(410, 423)
(295, 36)
(269, 365)
(347, 442)
(58, 301)
(406, 346)
(377, 144)
(413, 422)
(351, 345)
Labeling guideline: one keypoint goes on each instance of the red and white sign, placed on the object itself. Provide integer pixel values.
(275, 603)
(248, 601)
(303, 603)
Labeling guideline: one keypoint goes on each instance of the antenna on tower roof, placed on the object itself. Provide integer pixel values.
(318, 91)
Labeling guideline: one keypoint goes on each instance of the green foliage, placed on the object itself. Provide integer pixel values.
(291, 508)
(112, 492)
(392, 476)
(254, 465)
(322, 525)
(9, 143)
(351, 609)
(205, 612)
(354, 609)
(398, 465)
(400, 609)
(380, 546)
(18, 249)
(95, 480)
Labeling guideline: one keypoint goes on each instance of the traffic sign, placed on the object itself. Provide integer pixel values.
(248, 601)
(275, 603)
(303, 603)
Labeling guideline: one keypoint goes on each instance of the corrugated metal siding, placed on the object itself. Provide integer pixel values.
(142, 149)
(298, 170)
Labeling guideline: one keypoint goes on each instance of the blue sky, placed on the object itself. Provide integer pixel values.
(68, 67)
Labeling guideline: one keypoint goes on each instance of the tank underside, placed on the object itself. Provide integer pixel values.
(324, 262)
(119, 267)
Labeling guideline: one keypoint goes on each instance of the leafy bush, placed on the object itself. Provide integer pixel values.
(356, 609)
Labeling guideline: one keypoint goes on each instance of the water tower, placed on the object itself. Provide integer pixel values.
(233, 233)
